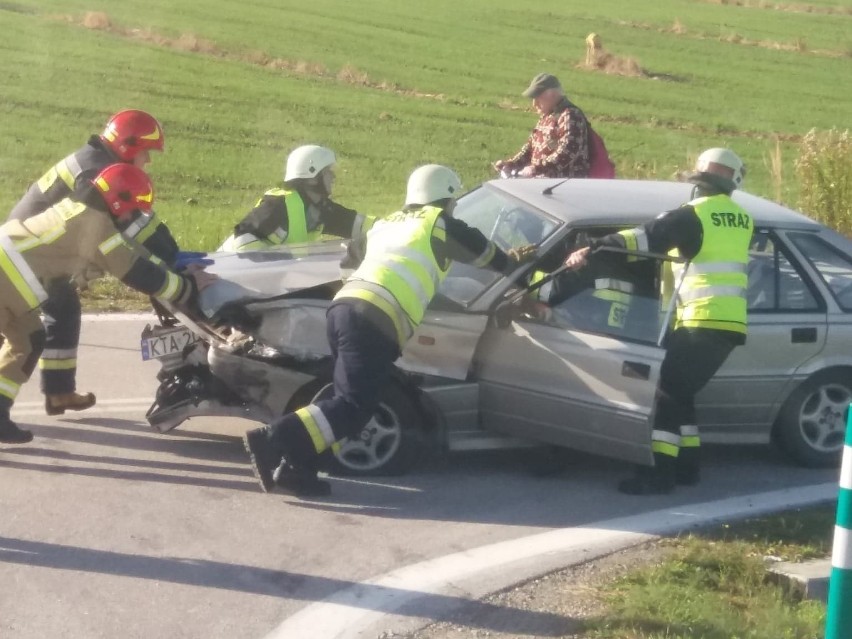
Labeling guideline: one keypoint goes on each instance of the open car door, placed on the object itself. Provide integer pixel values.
(568, 377)
(579, 389)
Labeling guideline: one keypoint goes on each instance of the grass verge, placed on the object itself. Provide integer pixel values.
(108, 295)
(714, 585)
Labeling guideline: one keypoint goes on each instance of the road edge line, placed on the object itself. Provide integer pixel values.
(352, 612)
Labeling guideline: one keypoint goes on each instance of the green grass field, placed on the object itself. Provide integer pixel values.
(390, 85)
(714, 584)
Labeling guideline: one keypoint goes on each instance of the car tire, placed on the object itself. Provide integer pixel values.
(390, 444)
(811, 425)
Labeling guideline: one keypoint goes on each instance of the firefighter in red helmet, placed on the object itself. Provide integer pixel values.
(132, 135)
(129, 136)
(80, 230)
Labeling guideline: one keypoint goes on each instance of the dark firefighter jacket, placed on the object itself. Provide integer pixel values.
(72, 235)
(77, 170)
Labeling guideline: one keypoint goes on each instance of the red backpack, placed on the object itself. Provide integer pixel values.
(600, 166)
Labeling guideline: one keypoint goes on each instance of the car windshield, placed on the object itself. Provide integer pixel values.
(503, 220)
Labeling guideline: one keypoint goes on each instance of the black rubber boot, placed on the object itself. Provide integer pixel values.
(658, 479)
(301, 482)
(688, 468)
(9, 431)
(263, 457)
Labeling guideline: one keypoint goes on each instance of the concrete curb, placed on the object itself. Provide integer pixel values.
(411, 597)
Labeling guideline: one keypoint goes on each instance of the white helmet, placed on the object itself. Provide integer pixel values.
(307, 161)
(722, 162)
(430, 183)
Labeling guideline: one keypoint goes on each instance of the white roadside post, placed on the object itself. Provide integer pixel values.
(839, 618)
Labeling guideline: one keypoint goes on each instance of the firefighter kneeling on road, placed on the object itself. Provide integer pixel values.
(408, 255)
(81, 230)
(300, 212)
(713, 233)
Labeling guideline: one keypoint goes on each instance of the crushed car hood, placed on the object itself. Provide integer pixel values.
(257, 275)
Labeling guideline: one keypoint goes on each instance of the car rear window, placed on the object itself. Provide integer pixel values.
(774, 282)
(833, 266)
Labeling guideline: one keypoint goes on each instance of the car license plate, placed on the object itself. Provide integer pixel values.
(166, 343)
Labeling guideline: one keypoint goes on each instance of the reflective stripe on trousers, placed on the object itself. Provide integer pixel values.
(20, 275)
(665, 443)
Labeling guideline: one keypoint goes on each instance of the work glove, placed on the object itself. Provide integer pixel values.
(522, 254)
(185, 258)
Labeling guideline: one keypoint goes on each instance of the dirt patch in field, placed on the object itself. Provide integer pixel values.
(96, 20)
(796, 7)
(799, 45)
(612, 64)
(190, 42)
(564, 600)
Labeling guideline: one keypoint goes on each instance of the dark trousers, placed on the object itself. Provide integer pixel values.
(693, 355)
(364, 348)
(62, 317)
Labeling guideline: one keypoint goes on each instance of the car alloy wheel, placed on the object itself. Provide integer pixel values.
(811, 426)
(389, 444)
(822, 418)
(377, 443)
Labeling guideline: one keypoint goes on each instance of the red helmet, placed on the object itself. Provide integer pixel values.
(129, 132)
(125, 188)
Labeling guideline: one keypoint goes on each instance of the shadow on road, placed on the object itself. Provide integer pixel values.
(112, 423)
(132, 475)
(133, 436)
(506, 487)
(127, 461)
(279, 583)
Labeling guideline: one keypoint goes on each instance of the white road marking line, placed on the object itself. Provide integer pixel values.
(353, 612)
(377, 484)
(119, 317)
(140, 409)
(138, 405)
(101, 402)
(134, 409)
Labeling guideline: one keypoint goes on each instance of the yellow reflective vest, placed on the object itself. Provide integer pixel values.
(400, 273)
(614, 294)
(297, 221)
(713, 293)
(617, 294)
(297, 226)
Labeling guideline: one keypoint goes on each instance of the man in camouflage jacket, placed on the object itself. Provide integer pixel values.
(558, 146)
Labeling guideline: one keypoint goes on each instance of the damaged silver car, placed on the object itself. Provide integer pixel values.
(481, 372)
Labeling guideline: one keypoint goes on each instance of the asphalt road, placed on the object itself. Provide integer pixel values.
(109, 529)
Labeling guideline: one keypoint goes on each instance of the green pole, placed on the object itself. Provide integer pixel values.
(839, 620)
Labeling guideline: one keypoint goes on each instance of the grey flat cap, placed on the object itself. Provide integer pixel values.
(541, 83)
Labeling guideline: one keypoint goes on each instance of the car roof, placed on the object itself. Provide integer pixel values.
(584, 201)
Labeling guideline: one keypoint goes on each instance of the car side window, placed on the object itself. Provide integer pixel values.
(774, 282)
(608, 297)
(833, 267)
(503, 220)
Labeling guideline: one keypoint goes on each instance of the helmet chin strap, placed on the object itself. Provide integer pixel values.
(316, 191)
(311, 188)
(707, 184)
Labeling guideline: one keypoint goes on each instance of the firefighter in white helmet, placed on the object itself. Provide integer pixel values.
(408, 254)
(713, 233)
(301, 211)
